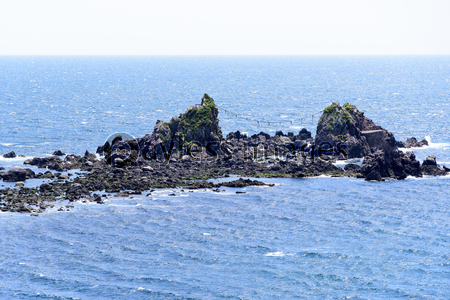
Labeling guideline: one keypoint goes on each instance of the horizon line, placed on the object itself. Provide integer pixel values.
(224, 54)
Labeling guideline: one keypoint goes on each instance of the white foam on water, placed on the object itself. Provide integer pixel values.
(277, 254)
(342, 163)
(15, 159)
(435, 145)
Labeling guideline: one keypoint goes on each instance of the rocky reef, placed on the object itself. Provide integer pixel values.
(198, 123)
(190, 148)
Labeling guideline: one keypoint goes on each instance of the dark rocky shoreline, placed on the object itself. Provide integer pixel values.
(190, 149)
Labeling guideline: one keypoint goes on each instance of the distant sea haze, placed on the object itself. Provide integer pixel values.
(312, 238)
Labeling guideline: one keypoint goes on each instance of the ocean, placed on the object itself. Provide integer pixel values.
(314, 238)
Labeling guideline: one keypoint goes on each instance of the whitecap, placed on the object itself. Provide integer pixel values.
(15, 159)
(277, 254)
(435, 145)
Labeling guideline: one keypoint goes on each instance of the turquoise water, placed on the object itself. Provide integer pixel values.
(317, 238)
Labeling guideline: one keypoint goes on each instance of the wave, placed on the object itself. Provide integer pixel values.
(435, 145)
(430, 145)
(15, 159)
(275, 254)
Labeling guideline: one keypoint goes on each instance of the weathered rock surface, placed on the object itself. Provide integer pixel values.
(348, 125)
(431, 168)
(397, 165)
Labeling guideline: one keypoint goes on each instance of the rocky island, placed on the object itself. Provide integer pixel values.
(189, 149)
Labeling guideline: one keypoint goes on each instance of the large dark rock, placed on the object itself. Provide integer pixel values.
(412, 142)
(431, 168)
(304, 134)
(11, 154)
(44, 162)
(240, 183)
(58, 153)
(46, 187)
(430, 161)
(76, 191)
(374, 175)
(349, 125)
(352, 168)
(15, 175)
(396, 165)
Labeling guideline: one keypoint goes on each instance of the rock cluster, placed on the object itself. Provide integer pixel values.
(190, 149)
(412, 143)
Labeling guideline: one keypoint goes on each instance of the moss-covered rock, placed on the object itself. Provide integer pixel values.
(348, 125)
(201, 123)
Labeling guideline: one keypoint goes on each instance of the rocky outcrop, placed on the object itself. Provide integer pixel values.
(197, 124)
(397, 165)
(11, 154)
(44, 162)
(431, 168)
(349, 126)
(58, 153)
(76, 191)
(16, 175)
(412, 143)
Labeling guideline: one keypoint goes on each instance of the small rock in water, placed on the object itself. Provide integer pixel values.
(59, 153)
(11, 154)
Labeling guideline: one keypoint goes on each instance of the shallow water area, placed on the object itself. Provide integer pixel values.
(309, 237)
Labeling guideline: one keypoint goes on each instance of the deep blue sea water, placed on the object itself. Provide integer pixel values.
(316, 238)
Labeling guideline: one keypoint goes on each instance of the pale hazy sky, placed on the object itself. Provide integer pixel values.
(224, 27)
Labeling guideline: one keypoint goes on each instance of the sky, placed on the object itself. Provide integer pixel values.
(213, 27)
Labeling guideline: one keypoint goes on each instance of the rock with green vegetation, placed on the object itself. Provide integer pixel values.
(360, 135)
(200, 124)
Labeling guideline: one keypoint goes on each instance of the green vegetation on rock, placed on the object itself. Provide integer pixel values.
(196, 117)
(330, 109)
